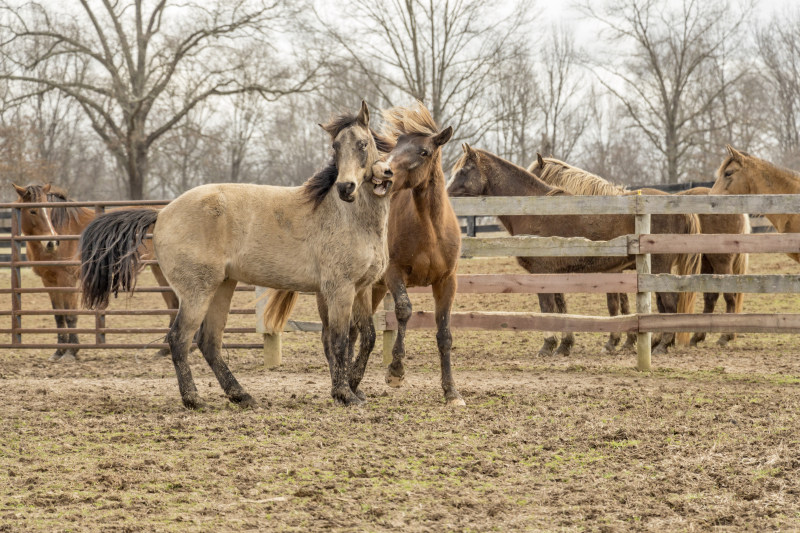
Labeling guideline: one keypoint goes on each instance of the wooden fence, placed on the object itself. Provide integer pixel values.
(641, 244)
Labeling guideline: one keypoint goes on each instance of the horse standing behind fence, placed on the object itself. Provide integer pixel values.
(55, 221)
(733, 263)
(481, 173)
(742, 173)
(292, 238)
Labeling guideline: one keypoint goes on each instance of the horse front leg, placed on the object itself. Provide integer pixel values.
(567, 337)
(667, 302)
(630, 338)
(612, 301)
(340, 306)
(57, 301)
(444, 292)
(70, 303)
(365, 327)
(395, 373)
(547, 304)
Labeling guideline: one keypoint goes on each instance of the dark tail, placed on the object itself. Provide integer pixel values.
(110, 247)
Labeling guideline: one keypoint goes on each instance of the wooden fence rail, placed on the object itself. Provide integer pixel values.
(639, 245)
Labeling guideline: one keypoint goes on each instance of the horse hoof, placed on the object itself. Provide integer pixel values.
(361, 396)
(563, 351)
(456, 402)
(659, 350)
(56, 356)
(722, 342)
(68, 358)
(545, 352)
(193, 401)
(244, 400)
(395, 381)
(347, 400)
(608, 350)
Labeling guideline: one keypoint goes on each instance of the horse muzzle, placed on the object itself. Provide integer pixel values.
(382, 184)
(346, 191)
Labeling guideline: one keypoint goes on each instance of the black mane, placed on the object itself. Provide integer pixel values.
(316, 188)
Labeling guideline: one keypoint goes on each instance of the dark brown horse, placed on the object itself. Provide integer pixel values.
(481, 173)
(424, 235)
(56, 221)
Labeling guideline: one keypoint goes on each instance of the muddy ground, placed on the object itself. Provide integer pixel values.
(708, 440)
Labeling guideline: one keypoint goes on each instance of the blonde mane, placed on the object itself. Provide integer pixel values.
(575, 180)
(405, 120)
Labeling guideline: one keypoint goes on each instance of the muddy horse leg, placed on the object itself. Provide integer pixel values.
(169, 298)
(363, 324)
(547, 304)
(709, 300)
(667, 302)
(395, 373)
(612, 301)
(567, 338)
(339, 302)
(209, 341)
(630, 338)
(61, 323)
(70, 302)
(191, 312)
(322, 307)
(444, 292)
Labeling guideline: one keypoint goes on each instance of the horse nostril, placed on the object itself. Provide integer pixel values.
(388, 173)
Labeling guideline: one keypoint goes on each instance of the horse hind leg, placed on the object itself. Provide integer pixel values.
(395, 372)
(630, 338)
(709, 298)
(191, 312)
(209, 341)
(169, 298)
(71, 302)
(666, 303)
(567, 337)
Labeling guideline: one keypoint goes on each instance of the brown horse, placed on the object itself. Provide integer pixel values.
(424, 235)
(291, 238)
(56, 221)
(742, 173)
(481, 173)
(721, 263)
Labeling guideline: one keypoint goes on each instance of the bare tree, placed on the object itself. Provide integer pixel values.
(443, 53)
(778, 45)
(661, 79)
(140, 67)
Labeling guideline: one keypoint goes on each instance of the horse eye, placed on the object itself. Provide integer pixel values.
(424, 153)
(33, 211)
(362, 145)
(336, 145)
(728, 173)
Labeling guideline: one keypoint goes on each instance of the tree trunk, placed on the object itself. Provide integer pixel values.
(672, 157)
(137, 170)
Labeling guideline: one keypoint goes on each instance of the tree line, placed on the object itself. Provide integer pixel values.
(146, 99)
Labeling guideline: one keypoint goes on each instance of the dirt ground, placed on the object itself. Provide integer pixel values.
(709, 440)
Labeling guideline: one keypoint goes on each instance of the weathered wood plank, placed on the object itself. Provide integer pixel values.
(722, 323)
(541, 283)
(721, 243)
(521, 321)
(749, 283)
(533, 246)
(594, 205)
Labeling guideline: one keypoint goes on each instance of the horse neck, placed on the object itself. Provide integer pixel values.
(506, 179)
(777, 181)
(431, 199)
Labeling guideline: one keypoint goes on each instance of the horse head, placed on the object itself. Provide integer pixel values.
(36, 220)
(418, 142)
(737, 174)
(467, 178)
(356, 155)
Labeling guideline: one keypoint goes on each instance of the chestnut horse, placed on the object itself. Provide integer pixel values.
(292, 238)
(734, 263)
(481, 173)
(53, 222)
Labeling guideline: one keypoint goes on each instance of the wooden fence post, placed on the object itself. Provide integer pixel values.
(389, 336)
(643, 299)
(272, 341)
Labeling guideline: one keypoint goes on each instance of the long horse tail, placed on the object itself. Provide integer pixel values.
(740, 265)
(278, 309)
(110, 254)
(686, 265)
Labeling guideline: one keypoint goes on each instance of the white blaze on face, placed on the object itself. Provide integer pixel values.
(49, 245)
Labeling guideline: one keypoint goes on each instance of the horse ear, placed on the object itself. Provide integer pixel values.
(46, 188)
(363, 115)
(540, 160)
(443, 136)
(20, 190)
(735, 154)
